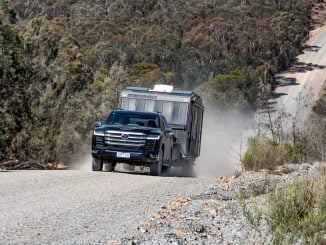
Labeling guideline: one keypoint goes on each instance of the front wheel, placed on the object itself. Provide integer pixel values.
(109, 167)
(97, 164)
(155, 168)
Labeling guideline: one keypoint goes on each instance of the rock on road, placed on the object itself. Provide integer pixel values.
(85, 207)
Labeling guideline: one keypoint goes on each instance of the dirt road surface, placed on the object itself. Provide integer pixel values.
(299, 87)
(81, 207)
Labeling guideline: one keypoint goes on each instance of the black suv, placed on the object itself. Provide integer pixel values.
(138, 138)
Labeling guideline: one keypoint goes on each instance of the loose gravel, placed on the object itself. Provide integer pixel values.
(215, 216)
(82, 207)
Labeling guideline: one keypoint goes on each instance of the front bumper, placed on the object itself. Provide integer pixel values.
(136, 158)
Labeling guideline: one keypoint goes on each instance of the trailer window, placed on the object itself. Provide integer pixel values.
(140, 105)
(132, 104)
(159, 106)
(167, 110)
(124, 103)
(182, 114)
(137, 104)
(174, 112)
(149, 106)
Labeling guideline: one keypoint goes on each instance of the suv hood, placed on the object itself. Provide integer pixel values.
(125, 128)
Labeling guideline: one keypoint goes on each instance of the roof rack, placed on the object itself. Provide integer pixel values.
(137, 88)
(183, 92)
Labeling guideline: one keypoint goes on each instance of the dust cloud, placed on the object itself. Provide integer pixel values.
(224, 140)
(83, 163)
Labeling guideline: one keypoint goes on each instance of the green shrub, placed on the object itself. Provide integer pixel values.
(299, 211)
(265, 153)
(233, 90)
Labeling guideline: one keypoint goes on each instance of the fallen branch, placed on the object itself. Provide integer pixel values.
(17, 165)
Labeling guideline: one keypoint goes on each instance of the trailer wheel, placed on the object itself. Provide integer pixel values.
(155, 168)
(97, 164)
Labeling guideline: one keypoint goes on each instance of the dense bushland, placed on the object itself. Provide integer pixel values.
(63, 63)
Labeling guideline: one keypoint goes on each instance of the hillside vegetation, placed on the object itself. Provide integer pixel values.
(63, 63)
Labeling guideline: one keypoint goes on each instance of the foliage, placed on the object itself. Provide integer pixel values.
(299, 210)
(315, 131)
(265, 153)
(238, 89)
(114, 83)
(254, 218)
(9, 13)
(14, 97)
(62, 63)
(294, 213)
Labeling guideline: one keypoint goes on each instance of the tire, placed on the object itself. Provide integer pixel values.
(166, 169)
(97, 164)
(155, 168)
(109, 167)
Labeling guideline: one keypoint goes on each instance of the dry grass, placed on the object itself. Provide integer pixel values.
(299, 211)
(265, 153)
(314, 134)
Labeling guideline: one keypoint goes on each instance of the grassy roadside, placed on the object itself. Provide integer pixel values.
(299, 210)
(296, 212)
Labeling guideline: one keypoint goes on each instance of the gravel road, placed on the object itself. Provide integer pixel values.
(85, 207)
(298, 88)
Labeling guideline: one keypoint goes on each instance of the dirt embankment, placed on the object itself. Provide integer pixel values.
(216, 215)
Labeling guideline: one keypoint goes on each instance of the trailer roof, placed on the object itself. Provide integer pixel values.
(122, 111)
(177, 92)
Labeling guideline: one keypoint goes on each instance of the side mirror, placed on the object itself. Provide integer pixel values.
(98, 124)
(168, 129)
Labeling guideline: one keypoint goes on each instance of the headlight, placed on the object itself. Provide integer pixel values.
(98, 133)
(153, 137)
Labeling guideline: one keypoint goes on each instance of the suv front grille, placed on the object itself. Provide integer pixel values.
(121, 138)
(150, 144)
(99, 141)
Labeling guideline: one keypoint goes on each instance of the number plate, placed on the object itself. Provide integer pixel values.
(123, 154)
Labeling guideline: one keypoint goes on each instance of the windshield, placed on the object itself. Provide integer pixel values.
(134, 119)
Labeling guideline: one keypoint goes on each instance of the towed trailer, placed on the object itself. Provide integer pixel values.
(183, 111)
